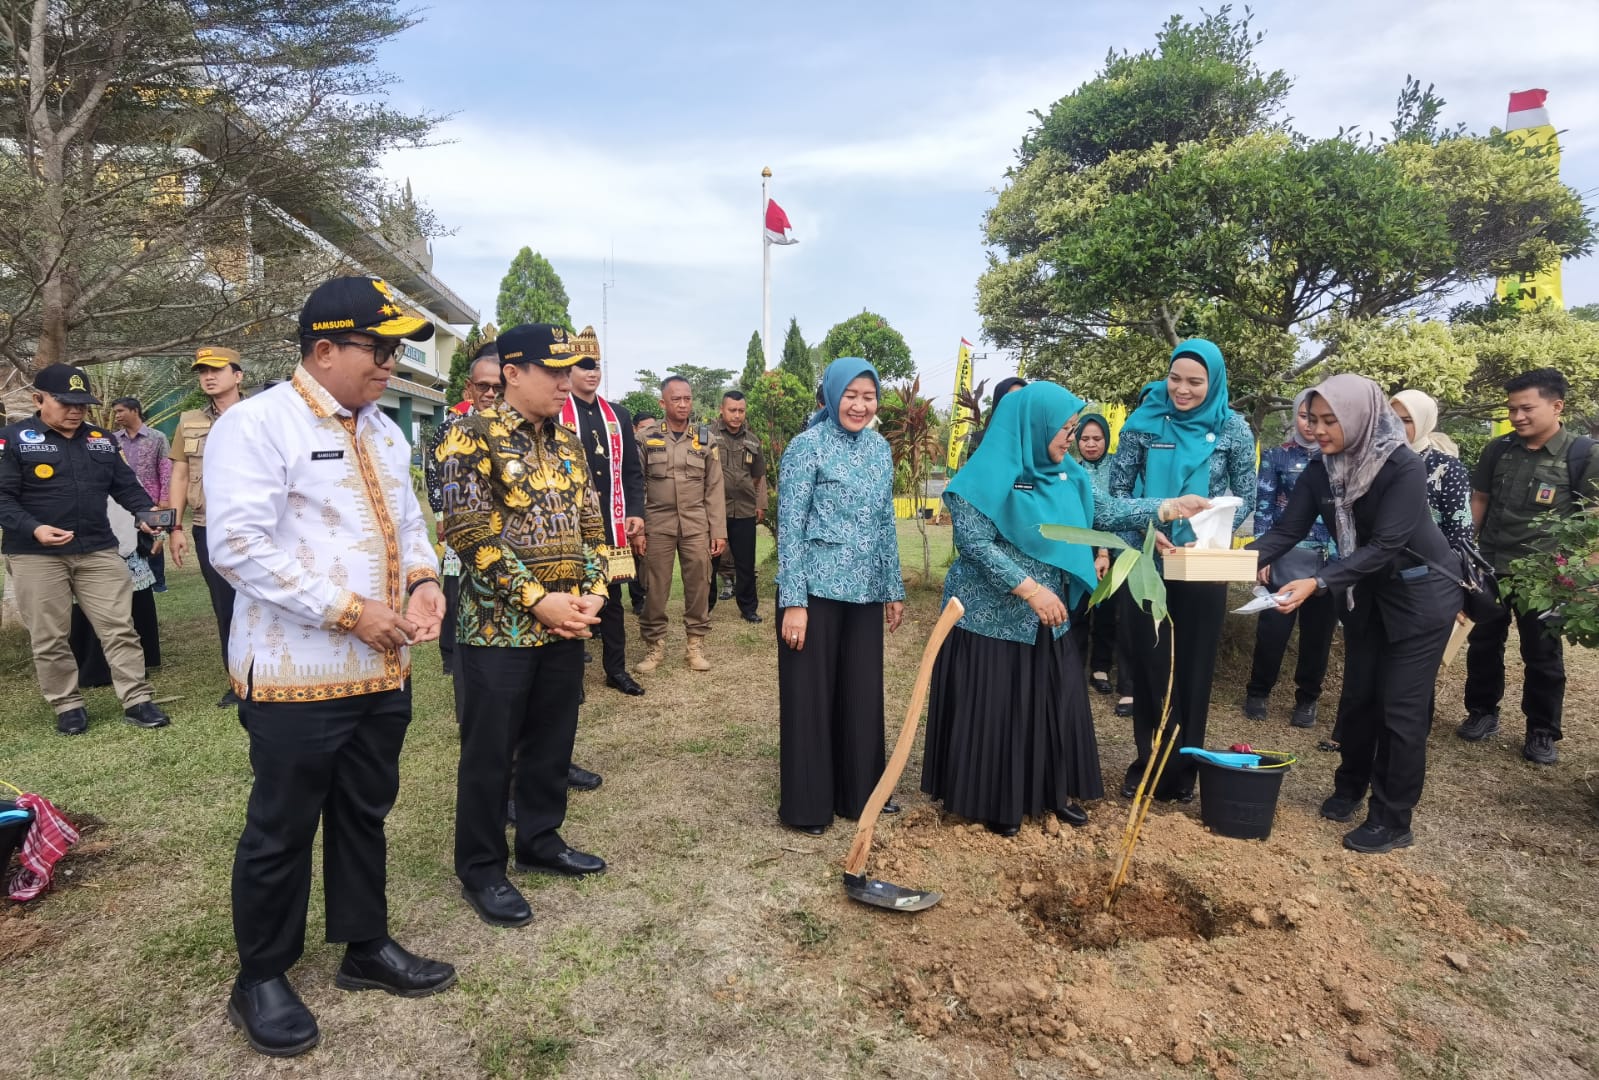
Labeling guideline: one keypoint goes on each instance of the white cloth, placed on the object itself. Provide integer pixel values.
(309, 510)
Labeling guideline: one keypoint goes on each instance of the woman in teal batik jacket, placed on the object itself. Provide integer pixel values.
(838, 581)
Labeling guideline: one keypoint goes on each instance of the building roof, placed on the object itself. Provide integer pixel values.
(416, 390)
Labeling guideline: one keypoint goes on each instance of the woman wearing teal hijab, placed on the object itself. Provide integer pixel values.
(1009, 731)
(838, 582)
(1183, 439)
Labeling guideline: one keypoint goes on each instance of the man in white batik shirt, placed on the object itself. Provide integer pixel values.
(313, 520)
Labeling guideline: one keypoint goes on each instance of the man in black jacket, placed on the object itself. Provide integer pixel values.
(56, 473)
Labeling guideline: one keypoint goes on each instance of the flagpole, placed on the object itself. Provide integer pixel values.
(766, 275)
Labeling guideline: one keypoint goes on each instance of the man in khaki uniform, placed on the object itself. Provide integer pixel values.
(744, 481)
(685, 516)
(221, 379)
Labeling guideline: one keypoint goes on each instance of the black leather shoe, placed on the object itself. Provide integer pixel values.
(391, 968)
(1100, 682)
(1129, 789)
(891, 807)
(230, 699)
(579, 779)
(1072, 814)
(1255, 706)
(750, 616)
(1182, 797)
(625, 683)
(808, 830)
(73, 722)
(146, 714)
(1338, 808)
(1540, 749)
(1304, 716)
(1372, 839)
(1124, 708)
(726, 593)
(499, 904)
(587, 659)
(1001, 830)
(1478, 726)
(274, 1020)
(568, 863)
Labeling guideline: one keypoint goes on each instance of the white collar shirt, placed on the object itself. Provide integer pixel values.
(310, 511)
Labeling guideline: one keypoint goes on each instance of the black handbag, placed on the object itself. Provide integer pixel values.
(1476, 578)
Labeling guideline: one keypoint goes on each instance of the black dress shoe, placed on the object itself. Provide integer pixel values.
(273, 1018)
(568, 863)
(579, 779)
(891, 807)
(391, 968)
(808, 830)
(1183, 797)
(1129, 789)
(73, 722)
(146, 714)
(1100, 683)
(1072, 814)
(230, 699)
(1001, 830)
(1124, 708)
(750, 616)
(499, 904)
(625, 683)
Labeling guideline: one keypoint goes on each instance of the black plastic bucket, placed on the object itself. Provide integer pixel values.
(1240, 802)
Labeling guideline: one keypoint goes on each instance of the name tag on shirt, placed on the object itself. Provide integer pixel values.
(327, 455)
(1022, 487)
(1163, 446)
(1545, 496)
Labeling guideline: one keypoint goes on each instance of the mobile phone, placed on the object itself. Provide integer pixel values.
(157, 519)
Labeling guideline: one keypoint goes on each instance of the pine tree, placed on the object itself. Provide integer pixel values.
(531, 292)
(754, 363)
(797, 355)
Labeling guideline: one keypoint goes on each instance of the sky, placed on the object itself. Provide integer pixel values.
(583, 128)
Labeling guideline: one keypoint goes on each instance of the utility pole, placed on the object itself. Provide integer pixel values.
(607, 283)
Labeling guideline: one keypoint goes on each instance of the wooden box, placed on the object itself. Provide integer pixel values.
(1210, 564)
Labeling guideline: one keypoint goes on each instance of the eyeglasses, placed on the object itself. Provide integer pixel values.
(486, 387)
(382, 351)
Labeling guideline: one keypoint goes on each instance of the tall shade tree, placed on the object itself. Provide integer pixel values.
(531, 292)
(754, 363)
(869, 337)
(1123, 230)
(797, 355)
(164, 165)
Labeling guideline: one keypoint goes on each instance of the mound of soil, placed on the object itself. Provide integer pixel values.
(1215, 949)
(18, 933)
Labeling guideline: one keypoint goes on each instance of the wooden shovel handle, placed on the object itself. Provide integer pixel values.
(855, 862)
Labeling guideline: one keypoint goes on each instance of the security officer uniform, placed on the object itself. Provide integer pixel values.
(63, 481)
(684, 510)
(744, 484)
(188, 446)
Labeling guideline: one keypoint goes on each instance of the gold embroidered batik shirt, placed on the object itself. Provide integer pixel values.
(522, 515)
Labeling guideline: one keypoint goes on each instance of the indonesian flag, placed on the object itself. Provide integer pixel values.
(1526, 111)
(777, 226)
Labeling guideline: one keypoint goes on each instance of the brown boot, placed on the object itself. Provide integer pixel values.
(652, 659)
(695, 654)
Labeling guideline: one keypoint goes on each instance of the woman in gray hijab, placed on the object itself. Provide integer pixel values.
(1370, 489)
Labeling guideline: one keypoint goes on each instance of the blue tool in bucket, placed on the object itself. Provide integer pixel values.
(1238, 790)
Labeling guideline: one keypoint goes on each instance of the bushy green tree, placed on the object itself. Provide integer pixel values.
(461, 364)
(779, 404)
(754, 363)
(870, 337)
(642, 403)
(797, 355)
(707, 384)
(532, 292)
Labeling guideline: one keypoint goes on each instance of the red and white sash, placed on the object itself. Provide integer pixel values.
(617, 552)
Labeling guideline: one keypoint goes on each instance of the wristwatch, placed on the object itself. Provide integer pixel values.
(1321, 584)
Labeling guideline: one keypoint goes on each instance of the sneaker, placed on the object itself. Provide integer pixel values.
(1372, 839)
(1338, 808)
(1255, 707)
(1478, 726)
(1304, 716)
(1540, 749)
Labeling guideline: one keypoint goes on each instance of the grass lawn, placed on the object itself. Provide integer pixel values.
(718, 944)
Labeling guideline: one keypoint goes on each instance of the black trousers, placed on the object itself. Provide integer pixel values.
(830, 696)
(1095, 635)
(452, 615)
(93, 670)
(1317, 619)
(1543, 689)
(337, 762)
(221, 591)
(158, 567)
(1197, 611)
(741, 546)
(1384, 718)
(518, 707)
(613, 633)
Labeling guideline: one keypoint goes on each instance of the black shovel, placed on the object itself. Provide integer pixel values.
(885, 894)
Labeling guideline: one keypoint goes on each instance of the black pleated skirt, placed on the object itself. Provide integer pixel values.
(1009, 731)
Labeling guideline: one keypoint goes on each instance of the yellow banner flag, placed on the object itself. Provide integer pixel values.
(960, 422)
(1528, 126)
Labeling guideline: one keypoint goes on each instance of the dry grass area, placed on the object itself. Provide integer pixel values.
(720, 944)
